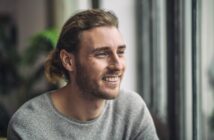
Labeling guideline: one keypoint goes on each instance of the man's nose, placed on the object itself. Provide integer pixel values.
(116, 62)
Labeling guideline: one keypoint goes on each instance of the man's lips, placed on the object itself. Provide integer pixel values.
(111, 78)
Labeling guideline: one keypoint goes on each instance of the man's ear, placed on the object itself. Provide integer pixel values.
(67, 60)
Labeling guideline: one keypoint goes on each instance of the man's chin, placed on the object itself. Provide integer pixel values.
(110, 94)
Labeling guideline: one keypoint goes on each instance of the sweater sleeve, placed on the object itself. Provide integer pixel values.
(17, 127)
(145, 126)
(12, 134)
(25, 123)
(139, 118)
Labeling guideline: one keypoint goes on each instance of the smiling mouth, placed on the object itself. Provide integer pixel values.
(111, 79)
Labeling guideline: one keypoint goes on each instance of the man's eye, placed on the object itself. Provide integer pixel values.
(101, 54)
(121, 52)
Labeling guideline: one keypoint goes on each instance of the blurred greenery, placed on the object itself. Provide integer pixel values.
(22, 71)
(40, 43)
(39, 47)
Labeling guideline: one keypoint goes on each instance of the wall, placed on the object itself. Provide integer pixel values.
(29, 16)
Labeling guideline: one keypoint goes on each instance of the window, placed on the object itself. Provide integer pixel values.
(176, 60)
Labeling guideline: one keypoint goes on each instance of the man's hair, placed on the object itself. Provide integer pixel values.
(70, 38)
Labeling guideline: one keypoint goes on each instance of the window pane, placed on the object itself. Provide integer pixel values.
(207, 68)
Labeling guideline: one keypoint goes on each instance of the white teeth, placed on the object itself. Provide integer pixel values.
(111, 79)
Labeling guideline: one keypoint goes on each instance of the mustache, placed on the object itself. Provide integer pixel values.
(114, 73)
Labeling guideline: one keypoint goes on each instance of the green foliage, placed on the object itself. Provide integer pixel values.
(51, 34)
(23, 70)
(39, 47)
(42, 42)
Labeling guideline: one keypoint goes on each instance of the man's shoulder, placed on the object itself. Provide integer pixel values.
(131, 97)
(131, 108)
(30, 109)
(29, 117)
(129, 101)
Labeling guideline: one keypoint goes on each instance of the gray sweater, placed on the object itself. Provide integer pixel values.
(125, 118)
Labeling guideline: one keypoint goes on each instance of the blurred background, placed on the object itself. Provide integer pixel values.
(170, 57)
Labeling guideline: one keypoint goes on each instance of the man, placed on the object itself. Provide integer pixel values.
(91, 106)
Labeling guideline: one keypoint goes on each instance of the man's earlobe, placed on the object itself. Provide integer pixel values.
(67, 60)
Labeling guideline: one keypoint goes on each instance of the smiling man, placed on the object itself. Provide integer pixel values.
(90, 56)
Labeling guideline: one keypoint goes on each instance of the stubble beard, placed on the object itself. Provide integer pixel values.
(91, 89)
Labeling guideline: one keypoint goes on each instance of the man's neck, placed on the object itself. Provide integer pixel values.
(71, 103)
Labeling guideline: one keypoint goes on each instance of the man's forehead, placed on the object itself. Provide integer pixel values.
(102, 36)
(101, 33)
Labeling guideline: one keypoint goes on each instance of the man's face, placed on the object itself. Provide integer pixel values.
(100, 62)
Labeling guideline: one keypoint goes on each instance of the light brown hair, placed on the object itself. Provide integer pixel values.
(70, 38)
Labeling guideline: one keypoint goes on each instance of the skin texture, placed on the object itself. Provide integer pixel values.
(95, 73)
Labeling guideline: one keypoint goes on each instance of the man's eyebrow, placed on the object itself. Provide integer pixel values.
(107, 48)
(122, 47)
(100, 49)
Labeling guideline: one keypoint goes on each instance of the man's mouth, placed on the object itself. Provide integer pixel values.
(111, 78)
